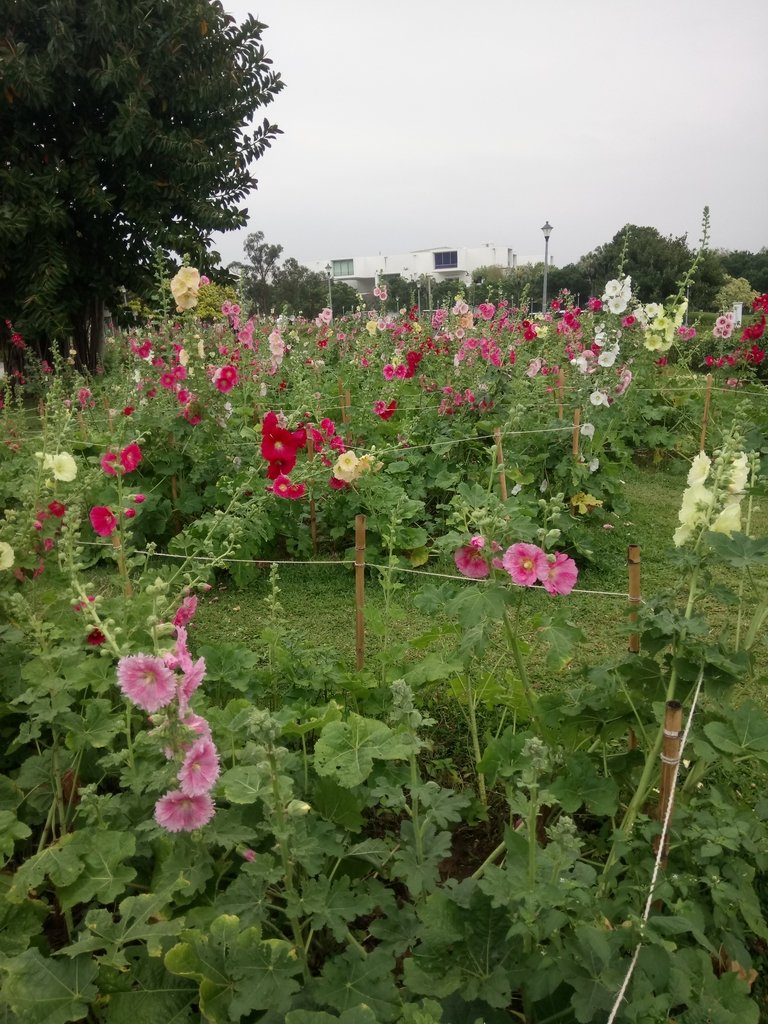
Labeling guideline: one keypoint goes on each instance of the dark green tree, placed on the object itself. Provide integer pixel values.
(258, 273)
(126, 127)
(751, 265)
(297, 289)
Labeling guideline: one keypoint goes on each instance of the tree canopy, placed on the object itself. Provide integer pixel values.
(126, 127)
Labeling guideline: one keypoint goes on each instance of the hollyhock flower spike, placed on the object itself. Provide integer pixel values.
(146, 681)
(180, 812)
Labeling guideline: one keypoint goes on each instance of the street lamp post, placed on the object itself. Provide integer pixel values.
(329, 272)
(547, 230)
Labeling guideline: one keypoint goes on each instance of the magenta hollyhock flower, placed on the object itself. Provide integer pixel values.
(139, 498)
(338, 485)
(525, 563)
(560, 575)
(95, 638)
(130, 457)
(225, 378)
(129, 513)
(180, 812)
(103, 520)
(106, 463)
(200, 769)
(146, 680)
(186, 611)
(471, 563)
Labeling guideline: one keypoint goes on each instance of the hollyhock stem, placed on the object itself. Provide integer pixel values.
(482, 793)
(518, 658)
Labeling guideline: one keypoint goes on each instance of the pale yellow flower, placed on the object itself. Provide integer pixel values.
(739, 474)
(372, 327)
(6, 555)
(699, 470)
(729, 520)
(346, 467)
(62, 465)
(184, 288)
(183, 357)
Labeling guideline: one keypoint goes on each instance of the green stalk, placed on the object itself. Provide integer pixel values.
(475, 743)
(520, 666)
(416, 812)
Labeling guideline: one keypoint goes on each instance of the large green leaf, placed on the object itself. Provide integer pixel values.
(581, 785)
(11, 829)
(347, 750)
(39, 990)
(348, 980)
(744, 733)
(151, 995)
(104, 875)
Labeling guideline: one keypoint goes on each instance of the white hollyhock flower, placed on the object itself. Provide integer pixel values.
(699, 470)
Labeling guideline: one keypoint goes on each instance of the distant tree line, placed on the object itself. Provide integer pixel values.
(655, 263)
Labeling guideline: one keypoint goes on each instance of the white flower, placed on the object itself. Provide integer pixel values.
(346, 467)
(6, 555)
(652, 310)
(608, 358)
(594, 465)
(587, 430)
(184, 287)
(699, 470)
(62, 465)
(599, 398)
(728, 521)
(543, 485)
(516, 489)
(739, 474)
(697, 501)
(617, 304)
(612, 289)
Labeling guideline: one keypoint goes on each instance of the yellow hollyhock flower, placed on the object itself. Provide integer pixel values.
(184, 288)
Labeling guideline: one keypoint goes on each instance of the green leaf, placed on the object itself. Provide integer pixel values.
(582, 785)
(347, 750)
(337, 804)
(11, 829)
(744, 733)
(349, 980)
(738, 550)
(361, 1014)
(104, 875)
(151, 995)
(96, 728)
(561, 637)
(44, 991)
(242, 785)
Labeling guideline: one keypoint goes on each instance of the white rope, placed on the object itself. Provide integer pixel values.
(660, 851)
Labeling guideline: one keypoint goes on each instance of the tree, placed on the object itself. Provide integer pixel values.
(751, 265)
(735, 289)
(259, 272)
(125, 129)
(297, 289)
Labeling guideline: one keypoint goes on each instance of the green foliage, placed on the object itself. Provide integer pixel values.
(130, 124)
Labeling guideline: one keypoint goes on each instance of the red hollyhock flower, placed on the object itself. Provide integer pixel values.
(95, 638)
(106, 463)
(130, 457)
(57, 509)
(103, 520)
(384, 411)
(283, 488)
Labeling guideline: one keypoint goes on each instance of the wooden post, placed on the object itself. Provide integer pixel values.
(312, 508)
(342, 403)
(633, 563)
(670, 757)
(560, 392)
(705, 416)
(500, 464)
(359, 591)
(576, 428)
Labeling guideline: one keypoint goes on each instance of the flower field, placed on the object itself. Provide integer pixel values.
(195, 829)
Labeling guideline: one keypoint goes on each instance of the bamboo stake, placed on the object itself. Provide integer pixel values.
(670, 757)
(576, 427)
(705, 416)
(500, 464)
(560, 392)
(359, 591)
(633, 563)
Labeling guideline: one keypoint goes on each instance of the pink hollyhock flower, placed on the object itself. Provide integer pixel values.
(388, 371)
(130, 457)
(525, 563)
(486, 310)
(471, 563)
(82, 396)
(167, 380)
(146, 680)
(560, 574)
(200, 769)
(478, 541)
(249, 855)
(179, 812)
(139, 498)
(533, 367)
(328, 426)
(191, 680)
(225, 378)
(204, 280)
(103, 520)
(106, 463)
(129, 513)
(186, 611)
(197, 724)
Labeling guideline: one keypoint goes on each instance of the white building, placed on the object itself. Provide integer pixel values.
(438, 264)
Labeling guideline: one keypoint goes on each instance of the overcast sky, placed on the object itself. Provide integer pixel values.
(413, 124)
